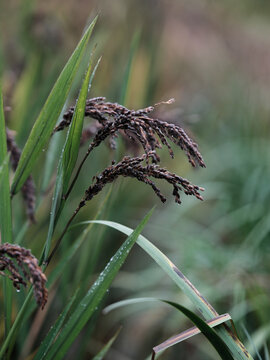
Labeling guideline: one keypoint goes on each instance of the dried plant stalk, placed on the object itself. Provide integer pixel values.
(28, 189)
(21, 265)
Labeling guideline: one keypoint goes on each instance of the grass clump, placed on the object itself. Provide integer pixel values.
(143, 133)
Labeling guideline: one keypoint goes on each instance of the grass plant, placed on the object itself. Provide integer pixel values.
(52, 202)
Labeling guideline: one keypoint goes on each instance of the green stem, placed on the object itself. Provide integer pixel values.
(16, 324)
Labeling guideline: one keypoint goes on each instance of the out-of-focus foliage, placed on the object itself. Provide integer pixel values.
(214, 59)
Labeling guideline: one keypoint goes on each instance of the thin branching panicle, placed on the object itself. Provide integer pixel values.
(150, 133)
(136, 125)
(134, 168)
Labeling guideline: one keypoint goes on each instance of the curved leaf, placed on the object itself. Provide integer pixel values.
(201, 326)
(49, 114)
(54, 330)
(94, 297)
(5, 203)
(206, 330)
(5, 210)
(234, 344)
(68, 158)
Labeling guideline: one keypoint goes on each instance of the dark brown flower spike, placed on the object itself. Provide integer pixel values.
(28, 189)
(136, 125)
(133, 167)
(151, 133)
(21, 265)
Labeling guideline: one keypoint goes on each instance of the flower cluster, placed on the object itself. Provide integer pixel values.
(21, 265)
(134, 168)
(136, 125)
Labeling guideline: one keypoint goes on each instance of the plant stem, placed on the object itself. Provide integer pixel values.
(15, 325)
(63, 233)
(78, 171)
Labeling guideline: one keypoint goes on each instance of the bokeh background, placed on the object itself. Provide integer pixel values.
(214, 59)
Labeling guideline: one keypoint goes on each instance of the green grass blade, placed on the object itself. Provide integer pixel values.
(201, 326)
(127, 302)
(69, 254)
(5, 203)
(51, 161)
(252, 346)
(71, 148)
(69, 155)
(206, 330)
(94, 296)
(49, 114)
(68, 158)
(54, 330)
(53, 276)
(4, 168)
(5, 211)
(106, 347)
(74, 136)
(15, 326)
(234, 344)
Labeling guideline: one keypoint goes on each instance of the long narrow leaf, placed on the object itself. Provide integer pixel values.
(49, 114)
(70, 253)
(53, 276)
(234, 344)
(68, 157)
(4, 168)
(206, 330)
(50, 337)
(183, 335)
(5, 211)
(10, 340)
(51, 160)
(72, 145)
(5, 203)
(94, 296)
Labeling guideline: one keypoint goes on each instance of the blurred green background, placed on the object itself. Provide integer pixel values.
(214, 59)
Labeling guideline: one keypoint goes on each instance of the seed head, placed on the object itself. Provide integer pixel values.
(21, 265)
(134, 168)
(136, 124)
